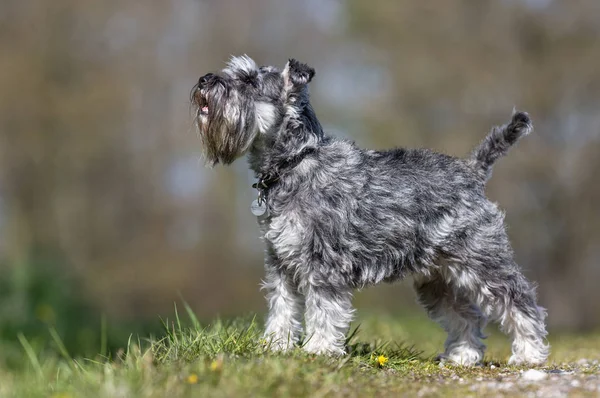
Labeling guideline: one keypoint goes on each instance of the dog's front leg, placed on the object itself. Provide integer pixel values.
(284, 322)
(328, 316)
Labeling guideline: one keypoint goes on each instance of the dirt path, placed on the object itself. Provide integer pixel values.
(581, 378)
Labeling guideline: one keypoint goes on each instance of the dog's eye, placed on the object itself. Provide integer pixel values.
(250, 80)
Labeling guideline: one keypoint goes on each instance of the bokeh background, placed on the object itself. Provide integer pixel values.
(108, 217)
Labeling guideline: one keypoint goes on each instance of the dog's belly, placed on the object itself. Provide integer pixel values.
(347, 255)
(388, 260)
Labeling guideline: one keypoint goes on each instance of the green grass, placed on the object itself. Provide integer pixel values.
(230, 359)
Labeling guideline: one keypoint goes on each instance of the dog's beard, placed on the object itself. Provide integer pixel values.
(226, 123)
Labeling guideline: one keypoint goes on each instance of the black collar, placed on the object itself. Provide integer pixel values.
(267, 180)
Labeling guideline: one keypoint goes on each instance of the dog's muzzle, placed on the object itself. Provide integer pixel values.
(202, 82)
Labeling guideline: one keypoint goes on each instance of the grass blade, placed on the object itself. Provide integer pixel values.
(103, 337)
(61, 348)
(177, 318)
(191, 315)
(30, 354)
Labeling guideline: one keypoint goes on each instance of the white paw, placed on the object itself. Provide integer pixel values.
(533, 354)
(464, 356)
(530, 360)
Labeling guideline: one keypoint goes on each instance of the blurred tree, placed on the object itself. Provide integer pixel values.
(99, 167)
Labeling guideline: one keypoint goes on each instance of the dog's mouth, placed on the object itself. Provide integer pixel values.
(202, 103)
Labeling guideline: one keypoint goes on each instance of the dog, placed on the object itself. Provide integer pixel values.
(336, 218)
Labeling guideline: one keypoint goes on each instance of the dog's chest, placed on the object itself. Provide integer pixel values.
(285, 233)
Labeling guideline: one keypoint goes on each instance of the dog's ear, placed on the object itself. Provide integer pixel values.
(297, 73)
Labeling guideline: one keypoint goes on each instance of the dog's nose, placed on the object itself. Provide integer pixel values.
(205, 79)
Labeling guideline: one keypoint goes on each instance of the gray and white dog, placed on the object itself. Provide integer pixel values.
(338, 218)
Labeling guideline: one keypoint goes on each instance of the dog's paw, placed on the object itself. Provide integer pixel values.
(462, 357)
(532, 352)
(522, 360)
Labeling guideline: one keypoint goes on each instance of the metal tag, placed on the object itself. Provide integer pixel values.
(258, 208)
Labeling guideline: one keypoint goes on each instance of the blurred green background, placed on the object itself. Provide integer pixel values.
(107, 216)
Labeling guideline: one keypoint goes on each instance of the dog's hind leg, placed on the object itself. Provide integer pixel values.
(504, 295)
(495, 282)
(462, 320)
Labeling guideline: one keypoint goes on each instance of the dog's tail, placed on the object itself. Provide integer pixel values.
(498, 141)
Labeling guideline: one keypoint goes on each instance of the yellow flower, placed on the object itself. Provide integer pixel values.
(216, 366)
(192, 379)
(382, 360)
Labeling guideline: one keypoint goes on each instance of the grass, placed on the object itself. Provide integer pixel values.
(388, 356)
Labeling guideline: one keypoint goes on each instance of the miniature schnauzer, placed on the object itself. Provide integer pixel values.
(336, 217)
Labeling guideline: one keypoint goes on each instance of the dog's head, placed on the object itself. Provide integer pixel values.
(233, 107)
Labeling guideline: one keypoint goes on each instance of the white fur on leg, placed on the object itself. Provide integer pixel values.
(528, 338)
(328, 315)
(284, 325)
(525, 323)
